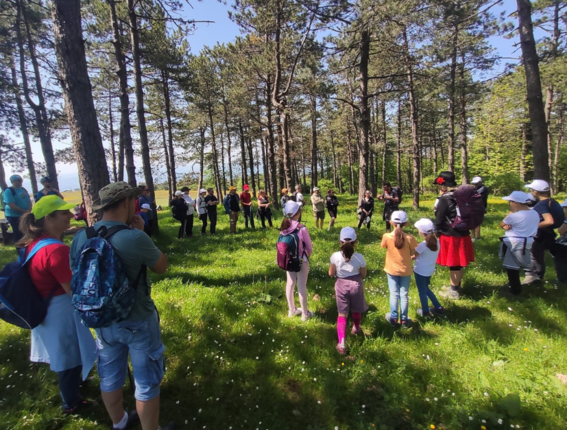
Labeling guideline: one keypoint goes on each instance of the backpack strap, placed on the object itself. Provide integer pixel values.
(41, 244)
(299, 227)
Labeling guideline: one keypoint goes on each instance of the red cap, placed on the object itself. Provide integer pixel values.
(246, 187)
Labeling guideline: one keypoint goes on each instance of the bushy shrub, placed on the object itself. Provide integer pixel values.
(504, 183)
(324, 185)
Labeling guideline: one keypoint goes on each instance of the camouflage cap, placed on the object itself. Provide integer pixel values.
(115, 192)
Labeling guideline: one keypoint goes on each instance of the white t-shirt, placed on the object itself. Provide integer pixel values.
(190, 203)
(523, 223)
(299, 198)
(426, 259)
(348, 268)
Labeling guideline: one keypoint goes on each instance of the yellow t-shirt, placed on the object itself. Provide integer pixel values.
(398, 261)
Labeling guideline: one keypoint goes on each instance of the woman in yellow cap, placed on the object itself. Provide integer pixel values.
(60, 340)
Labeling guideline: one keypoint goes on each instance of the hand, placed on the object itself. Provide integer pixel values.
(507, 227)
(137, 222)
(413, 257)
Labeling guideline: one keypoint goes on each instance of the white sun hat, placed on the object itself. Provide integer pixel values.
(538, 185)
(519, 197)
(348, 233)
(425, 225)
(399, 217)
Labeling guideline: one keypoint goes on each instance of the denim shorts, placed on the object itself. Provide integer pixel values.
(142, 339)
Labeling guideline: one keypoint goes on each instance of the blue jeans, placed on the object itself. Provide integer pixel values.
(425, 293)
(399, 286)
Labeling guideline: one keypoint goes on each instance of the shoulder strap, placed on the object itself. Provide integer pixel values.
(113, 230)
(41, 244)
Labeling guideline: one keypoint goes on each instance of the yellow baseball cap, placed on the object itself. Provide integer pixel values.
(50, 204)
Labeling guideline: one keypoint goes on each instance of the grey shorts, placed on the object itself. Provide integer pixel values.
(515, 252)
(350, 295)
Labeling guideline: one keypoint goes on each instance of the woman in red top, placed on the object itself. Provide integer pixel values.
(60, 340)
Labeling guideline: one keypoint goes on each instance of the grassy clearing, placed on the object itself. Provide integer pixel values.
(236, 361)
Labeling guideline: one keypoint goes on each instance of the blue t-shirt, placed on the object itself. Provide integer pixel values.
(20, 197)
(146, 199)
(550, 206)
(144, 216)
(40, 194)
(135, 248)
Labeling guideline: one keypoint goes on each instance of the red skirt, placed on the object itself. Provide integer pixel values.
(455, 251)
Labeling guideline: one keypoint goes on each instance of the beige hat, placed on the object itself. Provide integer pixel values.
(115, 192)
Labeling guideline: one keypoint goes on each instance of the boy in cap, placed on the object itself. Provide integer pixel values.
(483, 191)
(16, 203)
(551, 216)
(246, 202)
(520, 227)
(231, 205)
(47, 190)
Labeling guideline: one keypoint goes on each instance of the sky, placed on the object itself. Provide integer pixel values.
(223, 30)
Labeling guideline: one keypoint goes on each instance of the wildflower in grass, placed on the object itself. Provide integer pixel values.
(483, 427)
(432, 427)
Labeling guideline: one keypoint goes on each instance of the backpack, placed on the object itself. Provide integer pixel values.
(287, 247)
(400, 193)
(100, 291)
(20, 302)
(470, 208)
(2, 204)
(557, 221)
(173, 205)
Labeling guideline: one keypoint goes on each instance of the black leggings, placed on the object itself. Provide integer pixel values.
(362, 218)
(265, 215)
(203, 218)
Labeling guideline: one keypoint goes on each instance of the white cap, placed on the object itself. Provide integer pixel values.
(399, 217)
(146, 206)
(564, 204)
(178, 193)
(291, 208)
(348, 233)
(202, 190)
(476, 180)
(315, 188)
(425, 225)
(538, 185)
(518, 197)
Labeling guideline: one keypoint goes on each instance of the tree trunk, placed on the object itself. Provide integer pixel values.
(267, 185)
(79, 104)
(127, 149)
(171, 150)
(399, 146)
(452, 101)
(202, 131)
(334, 153)
(286, 149)
(534, 94)
(243, 154)
(223, 177)
(463, 99)
(524, 152)
(24, 128)
(271, 147)
(251, 158)
(3, 183)
(385, 144)
(558, 144)
(112, 144)
(313, 105)
(142, 130)
(166, 156)
(216, 173)
(364, 147)
(350, 160)
(229, 144)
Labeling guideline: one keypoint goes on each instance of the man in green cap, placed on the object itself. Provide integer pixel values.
(139, 335)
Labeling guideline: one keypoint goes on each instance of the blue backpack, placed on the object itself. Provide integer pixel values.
(287, 247)
(20, 302)
(101, 293)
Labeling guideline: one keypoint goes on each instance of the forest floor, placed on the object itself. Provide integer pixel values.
(236, 361)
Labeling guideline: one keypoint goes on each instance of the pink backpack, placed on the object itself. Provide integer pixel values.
(470, 208)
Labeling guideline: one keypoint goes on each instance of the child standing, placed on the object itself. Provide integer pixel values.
(425, 261)
(349, 267)
(291, 226)
(400, 247)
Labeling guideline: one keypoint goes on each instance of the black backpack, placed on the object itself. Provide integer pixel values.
(399, 192)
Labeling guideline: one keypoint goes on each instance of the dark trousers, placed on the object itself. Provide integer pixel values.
(213, 221)
(546, 242)
(15, 224)
(247, 211)
(265, 215)
(203, 218)
(387, 215)
(148, 228)
(362, 218)
(189, 225)
(182, 228)
(514, 281)
(69, 381)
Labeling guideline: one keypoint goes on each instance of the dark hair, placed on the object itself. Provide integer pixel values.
(31, 228)
(347, 248)
(431, 241)
(399, 235)
(286, 223)
(544, 193)
(387, 184)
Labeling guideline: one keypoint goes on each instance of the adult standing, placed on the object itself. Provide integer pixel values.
(190, 211)
(483, 191)
(139, 335)
(60, 340)
(264, 208)
(17, 202)
(212, 203)
(146, 199)
(47, 190)
(201, 206)
(551, 216)
(366, 209)
(247, 206)
(285, 198)
(391, 201)
(318, 208)
(456, 248)
(332, 204)
(298, 198)
(179, 209)
(231, 205)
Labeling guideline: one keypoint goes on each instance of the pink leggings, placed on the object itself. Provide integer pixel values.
(301, 279)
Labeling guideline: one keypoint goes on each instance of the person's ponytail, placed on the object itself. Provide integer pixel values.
(31, 228)
(347, 248)
(399, 236)
(431, 242)
(286, 223)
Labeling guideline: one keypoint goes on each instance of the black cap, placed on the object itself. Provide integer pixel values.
(185, 189)
(45, 179)
(445, 178)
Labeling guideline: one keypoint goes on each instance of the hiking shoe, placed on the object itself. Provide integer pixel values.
(438, 311)
(356, 331)
(341, 349)
(295, 313)
(307, 316)
(451, 294)
(407, 323)
(506, 291)
(133, 419)
(83, 404)
(423, 314)
(393, 321)
(169, 426)
(529, 280)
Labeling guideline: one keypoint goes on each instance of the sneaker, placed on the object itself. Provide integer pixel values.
(528, 280)
(307, 316)
(451, 294)
(341, 349)
(420, 313)
(438, 311)
(83, 404)
(295, 313)
(356, 331)
(133, 419)
(407, 323)
(393, 321)
(169, 426)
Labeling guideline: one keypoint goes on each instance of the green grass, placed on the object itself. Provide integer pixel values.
(236, 360)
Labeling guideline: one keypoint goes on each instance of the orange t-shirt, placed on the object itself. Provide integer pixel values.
(398, 261)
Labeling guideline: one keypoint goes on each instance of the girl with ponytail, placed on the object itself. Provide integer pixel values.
(400, 247)
(349, 267)
(425, 261)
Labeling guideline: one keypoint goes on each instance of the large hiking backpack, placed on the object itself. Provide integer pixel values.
(400, 193)
(287, 247)
(470, 208)
(20, 302)
(101, 293)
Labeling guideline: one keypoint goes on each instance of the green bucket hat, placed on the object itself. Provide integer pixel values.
(49, 204)
(115, 192)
